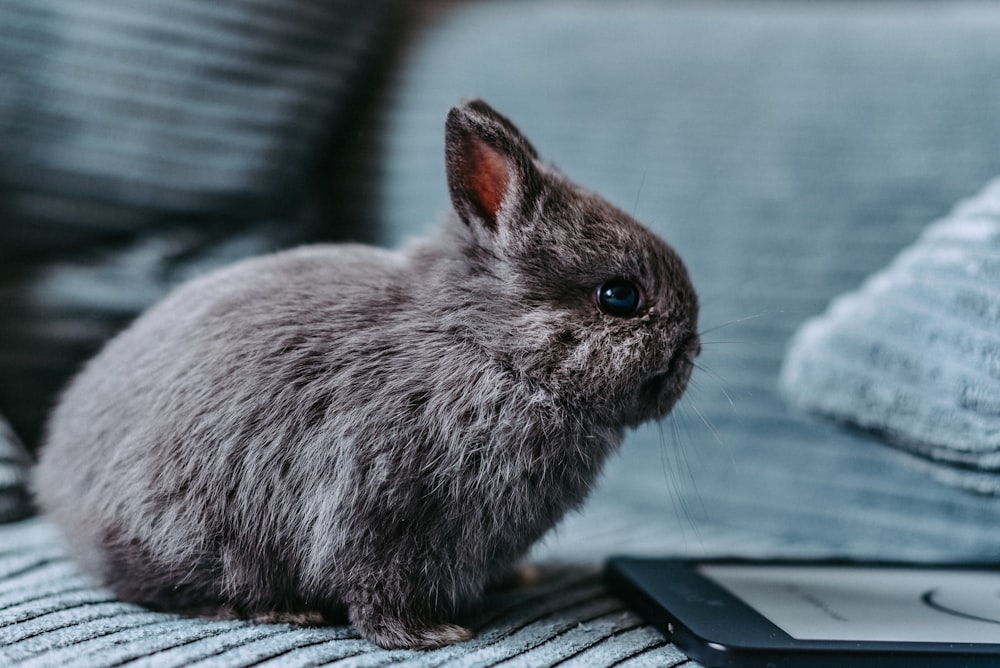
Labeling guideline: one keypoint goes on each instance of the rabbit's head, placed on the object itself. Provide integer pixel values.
(570, 291)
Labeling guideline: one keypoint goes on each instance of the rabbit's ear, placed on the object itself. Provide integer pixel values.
(491, 172)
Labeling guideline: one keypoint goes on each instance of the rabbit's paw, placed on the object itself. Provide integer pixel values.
(391, 633)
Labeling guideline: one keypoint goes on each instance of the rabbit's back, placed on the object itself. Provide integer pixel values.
(210, 395)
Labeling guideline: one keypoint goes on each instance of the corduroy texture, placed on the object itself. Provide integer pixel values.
(914, 353)
(14, 501)
(173, 106)
(50, 615)
(142, 143)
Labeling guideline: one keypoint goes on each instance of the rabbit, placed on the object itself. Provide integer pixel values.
(343, 433)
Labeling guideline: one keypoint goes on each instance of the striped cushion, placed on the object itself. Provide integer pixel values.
(14, 502)
(51, 615)
(914, 354)
(142, 142)
(171, 106)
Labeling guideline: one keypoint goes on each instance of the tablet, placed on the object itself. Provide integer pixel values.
(792, 614)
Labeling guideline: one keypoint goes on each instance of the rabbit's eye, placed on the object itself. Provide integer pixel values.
(619, 297)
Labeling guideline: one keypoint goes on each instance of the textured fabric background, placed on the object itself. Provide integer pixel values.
(50, 615)
(788, 151)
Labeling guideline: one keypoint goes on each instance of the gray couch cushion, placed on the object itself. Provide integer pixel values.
(141, 143)
(914, 354)
(52, 615)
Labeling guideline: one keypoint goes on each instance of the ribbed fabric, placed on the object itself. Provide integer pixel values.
(14, 501)
(914, 353)
(51, 615)
(172, 106)
(141, 143)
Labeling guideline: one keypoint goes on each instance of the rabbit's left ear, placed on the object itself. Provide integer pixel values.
(492, 176)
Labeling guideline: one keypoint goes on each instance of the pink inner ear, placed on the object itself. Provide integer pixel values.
(487, 177)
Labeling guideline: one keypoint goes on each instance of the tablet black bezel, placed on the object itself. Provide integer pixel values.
(716, 628)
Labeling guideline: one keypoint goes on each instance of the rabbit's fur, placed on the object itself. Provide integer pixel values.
(341, 429)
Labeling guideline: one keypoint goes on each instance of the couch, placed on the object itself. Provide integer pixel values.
(787, 150)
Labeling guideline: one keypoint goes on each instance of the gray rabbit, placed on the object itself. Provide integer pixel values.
(343, 430)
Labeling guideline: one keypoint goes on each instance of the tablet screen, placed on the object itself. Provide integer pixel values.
(858, 603)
